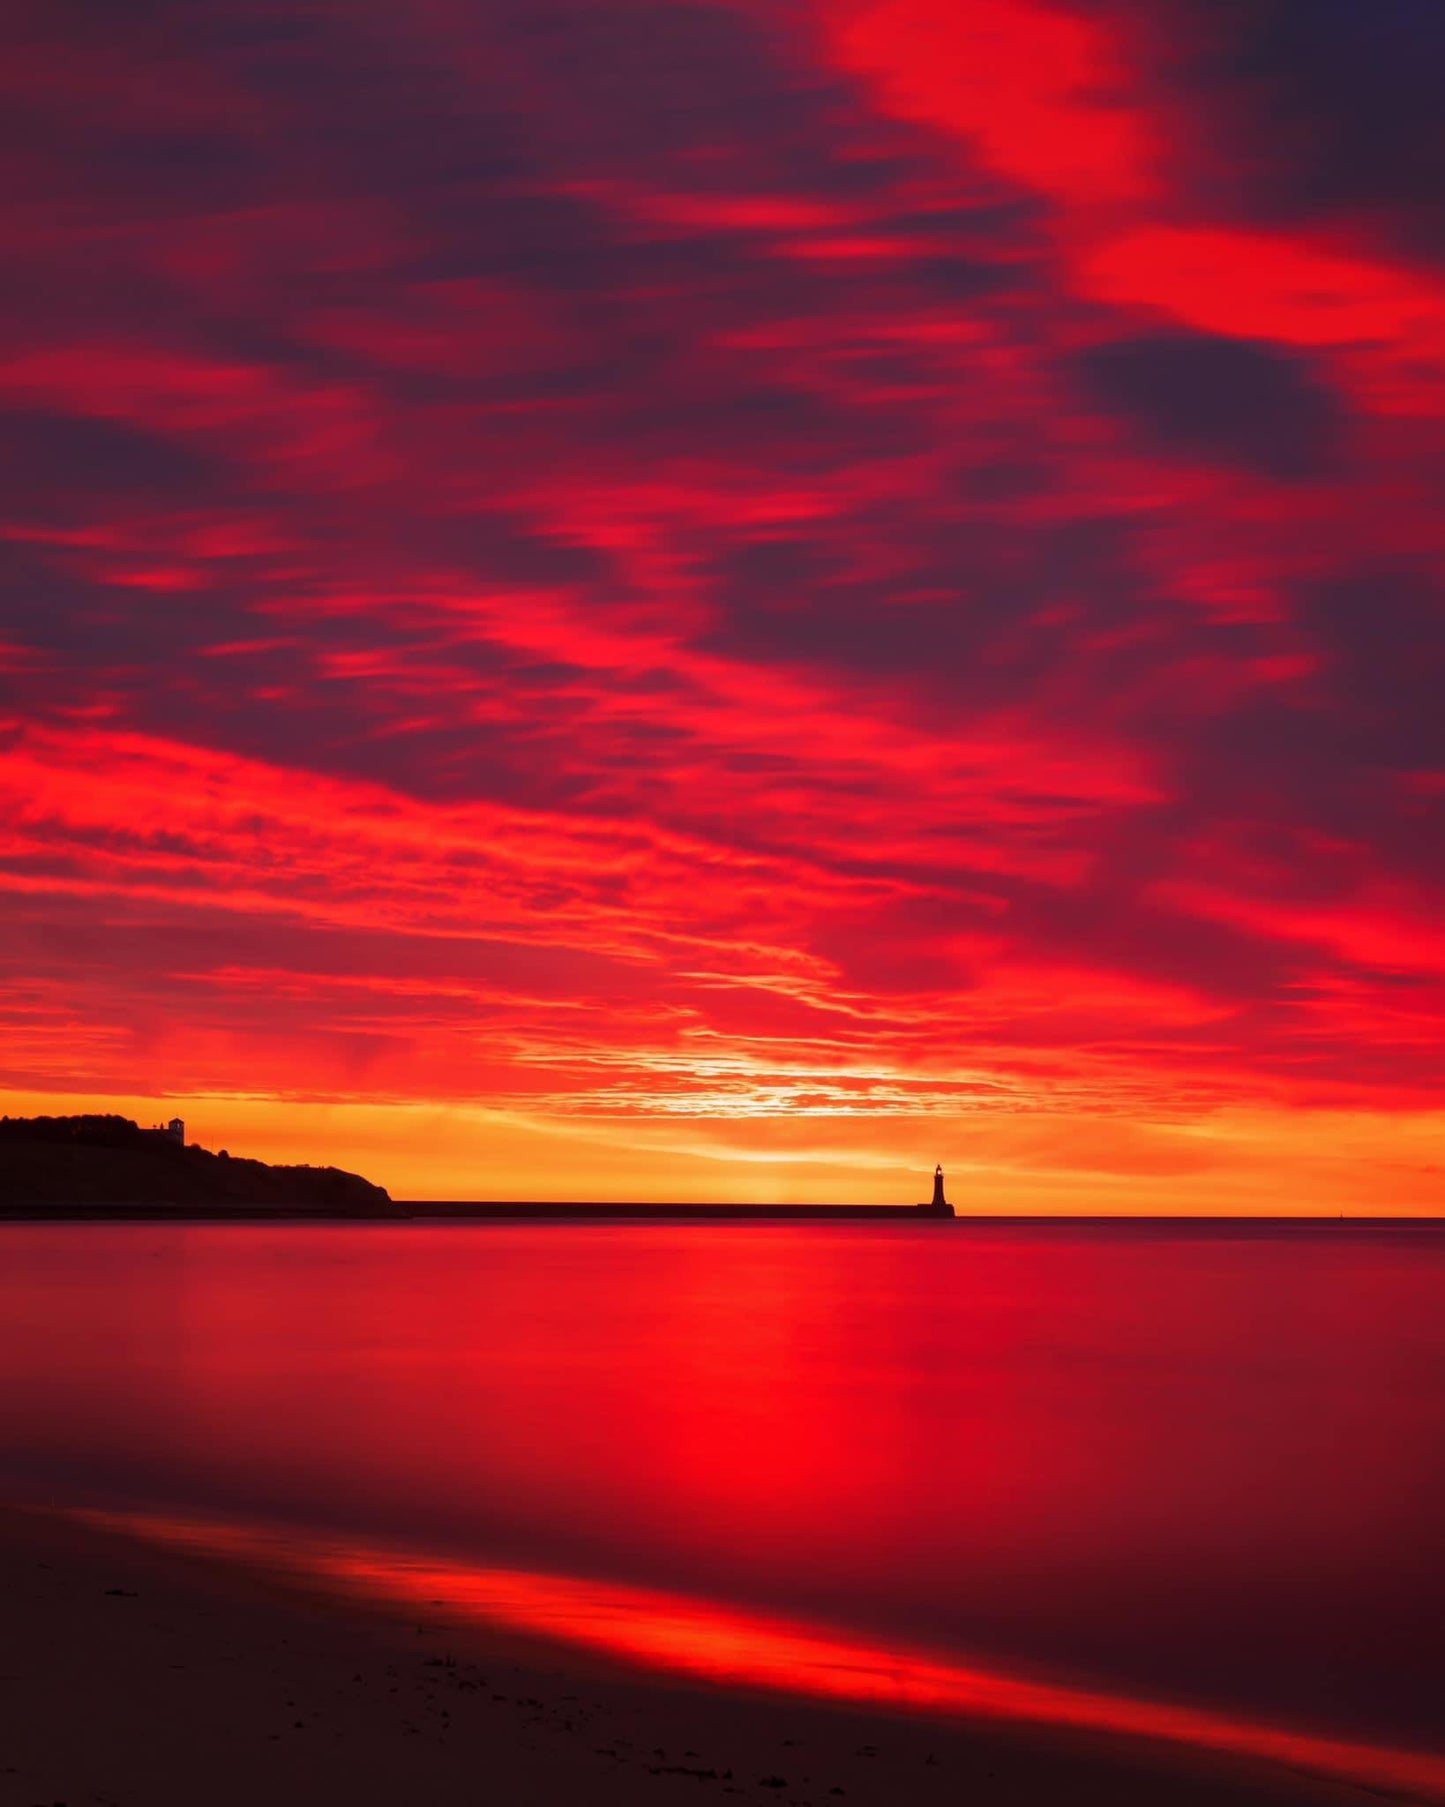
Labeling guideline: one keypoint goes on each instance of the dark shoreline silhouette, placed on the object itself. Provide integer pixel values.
(108, 1169)
(545, 1211)
(108, 1166)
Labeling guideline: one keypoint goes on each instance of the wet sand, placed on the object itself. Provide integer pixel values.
(138, 1677)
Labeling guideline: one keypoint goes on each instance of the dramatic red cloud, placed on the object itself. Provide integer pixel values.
(728, 601)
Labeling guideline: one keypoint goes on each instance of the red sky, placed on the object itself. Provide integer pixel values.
(727, 600)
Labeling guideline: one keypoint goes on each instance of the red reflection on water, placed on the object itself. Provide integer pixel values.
(1207, 1468)
(699, 1638)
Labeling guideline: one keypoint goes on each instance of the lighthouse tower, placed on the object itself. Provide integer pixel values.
(938, 1206)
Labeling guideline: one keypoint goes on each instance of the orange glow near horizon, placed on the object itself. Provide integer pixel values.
(701, 1640)
(1237, 1163)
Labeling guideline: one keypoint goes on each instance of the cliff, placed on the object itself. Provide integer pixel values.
(87, 1165)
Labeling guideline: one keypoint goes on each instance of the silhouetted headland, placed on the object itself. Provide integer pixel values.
(105, 1166)
(109, 1167)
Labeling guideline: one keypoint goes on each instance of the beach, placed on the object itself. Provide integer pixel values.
(414, 1512)
(138, 1677)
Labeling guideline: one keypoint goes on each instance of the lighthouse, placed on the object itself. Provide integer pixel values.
(939, 1206)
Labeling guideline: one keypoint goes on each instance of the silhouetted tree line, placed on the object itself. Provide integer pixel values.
(111, 1160)
(83, 1132)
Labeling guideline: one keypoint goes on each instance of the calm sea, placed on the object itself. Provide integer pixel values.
(1186, 1464)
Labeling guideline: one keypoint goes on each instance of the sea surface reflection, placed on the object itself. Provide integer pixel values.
(1189, 1465)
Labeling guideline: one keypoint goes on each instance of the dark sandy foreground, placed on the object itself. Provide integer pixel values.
(131, 1677)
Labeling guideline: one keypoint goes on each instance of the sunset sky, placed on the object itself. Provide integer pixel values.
(697, 600)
